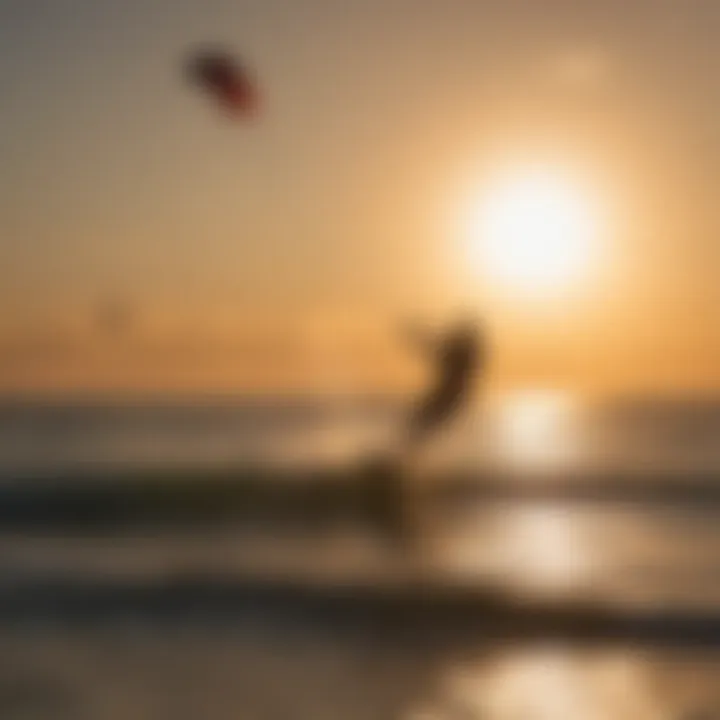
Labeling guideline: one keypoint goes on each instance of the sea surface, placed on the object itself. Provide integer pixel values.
(581, 580)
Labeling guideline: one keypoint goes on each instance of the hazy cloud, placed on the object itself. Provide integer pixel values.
(580, 67)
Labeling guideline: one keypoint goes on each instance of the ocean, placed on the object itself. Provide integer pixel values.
(203, 559)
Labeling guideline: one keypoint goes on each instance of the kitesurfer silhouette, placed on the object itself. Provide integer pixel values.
(459, 357)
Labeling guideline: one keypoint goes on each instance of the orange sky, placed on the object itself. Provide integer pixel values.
(118, 182)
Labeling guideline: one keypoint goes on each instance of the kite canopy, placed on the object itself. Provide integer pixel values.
(226, 80)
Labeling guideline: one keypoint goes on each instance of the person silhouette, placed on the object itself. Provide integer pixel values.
(460, 356)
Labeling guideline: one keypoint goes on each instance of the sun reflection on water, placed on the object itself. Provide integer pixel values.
(551, 683)
(541, 550)
(536, 430)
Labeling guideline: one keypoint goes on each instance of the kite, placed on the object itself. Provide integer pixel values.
(226, 80)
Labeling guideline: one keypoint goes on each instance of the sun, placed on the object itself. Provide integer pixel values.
(534, 231)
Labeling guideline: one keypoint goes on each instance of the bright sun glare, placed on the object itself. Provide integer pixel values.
(534, 231)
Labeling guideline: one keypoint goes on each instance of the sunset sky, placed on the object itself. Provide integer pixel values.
(283, 253)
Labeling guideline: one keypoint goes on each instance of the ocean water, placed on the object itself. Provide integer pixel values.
(608, 506)
(530, 431)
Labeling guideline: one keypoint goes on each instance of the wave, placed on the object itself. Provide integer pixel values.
(421, 607)
(185, 497)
